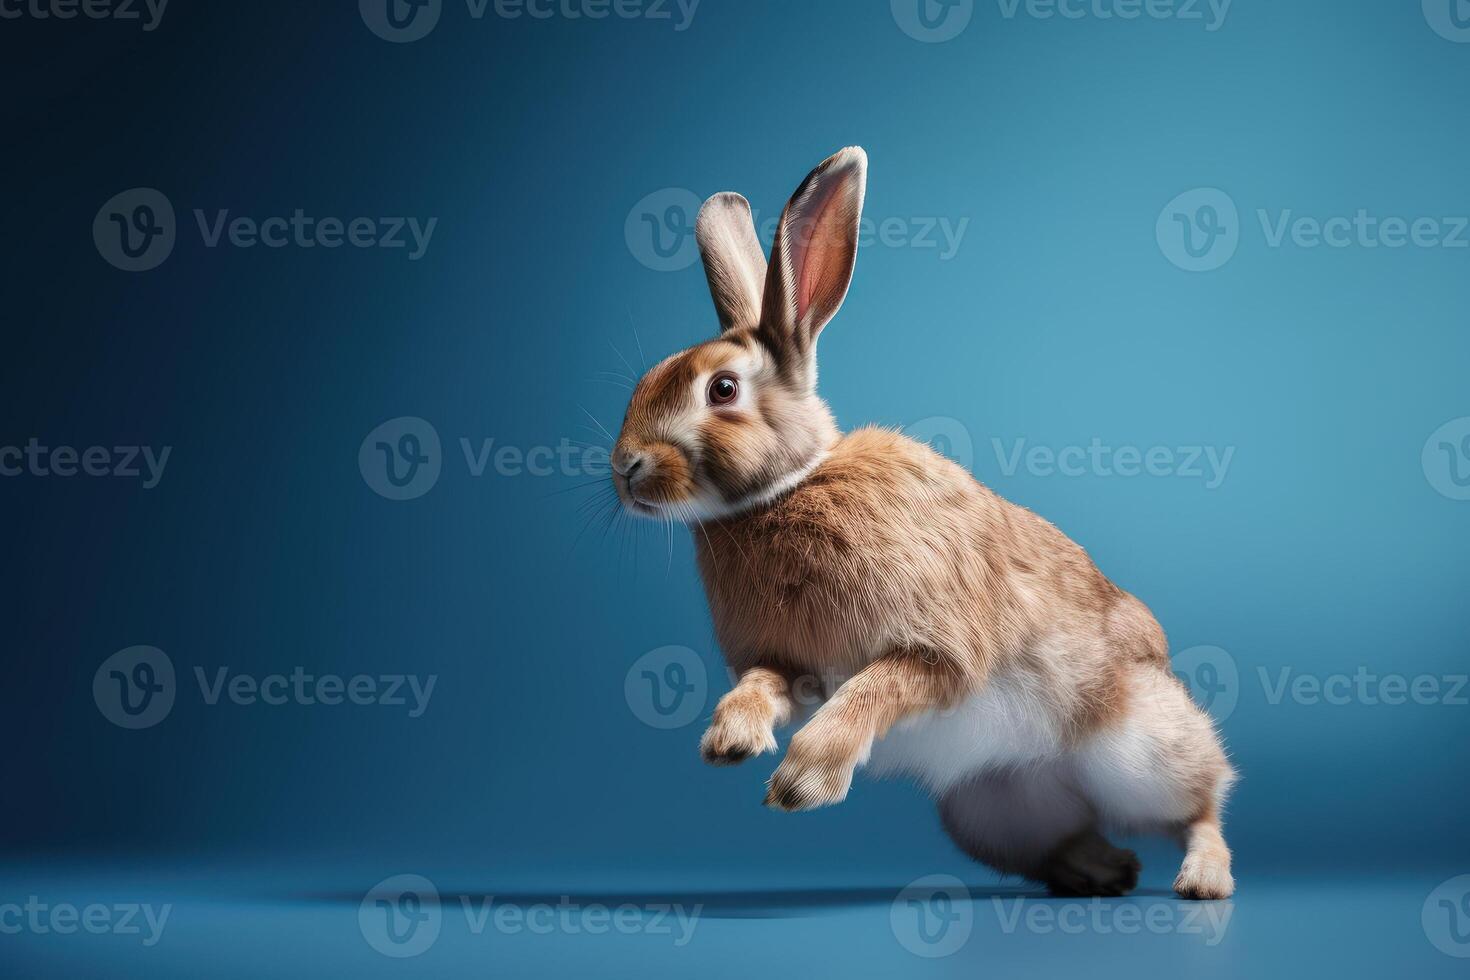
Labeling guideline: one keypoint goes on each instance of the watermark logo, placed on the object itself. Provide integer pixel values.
(1446, 459)
(1101, 917)
(1212, 677)
(1199, 230)
(41, 918)
(659, 230)
(667, 688)
(1210, 13)
(275, 690)
(123, 462)
(134, 688)
(1446, 917)
(136, 229)
(932, 21)
(933, 916)
(1208, 464)
(1450, 19)
(1363, 230)
(401, 458)
(401, 916)
(400, 21)
(1364, 687)
(946, 436)
(148, 12)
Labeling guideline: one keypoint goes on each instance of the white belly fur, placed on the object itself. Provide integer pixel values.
(1006, 724)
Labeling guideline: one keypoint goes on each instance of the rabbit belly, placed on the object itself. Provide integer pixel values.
(1006, 724)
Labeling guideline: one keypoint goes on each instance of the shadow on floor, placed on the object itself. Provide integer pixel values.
(716, 904)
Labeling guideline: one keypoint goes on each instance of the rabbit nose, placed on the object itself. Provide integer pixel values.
(625, 463)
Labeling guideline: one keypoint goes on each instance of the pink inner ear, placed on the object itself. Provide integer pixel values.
(819, 244)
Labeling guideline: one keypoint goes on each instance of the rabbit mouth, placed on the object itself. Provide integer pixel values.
(642, 506)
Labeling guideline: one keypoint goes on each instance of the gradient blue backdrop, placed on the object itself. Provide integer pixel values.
(1058, 320)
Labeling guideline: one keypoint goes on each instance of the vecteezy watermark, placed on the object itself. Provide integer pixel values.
(932, 916)
(402, 458)
(41, 918)
(932, 21)
(274, 690)
(947, 436)
(936, 21)
(1101, 917)
(121, 462)
(1214, 681)
(659, 231)
(1450, 19)
(1446, 917)
(1200, 230)
(950, 437)
(1209, 464)
(149, 13)
(403, 916)
(667, 688)
(1210, 13)
(1363, 230)
(1212, 678)
(136, 688)
(1446, 459)
(136, 230)
(1364, 687)
(402, 21)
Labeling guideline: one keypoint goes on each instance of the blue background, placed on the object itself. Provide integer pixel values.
(1059, 319)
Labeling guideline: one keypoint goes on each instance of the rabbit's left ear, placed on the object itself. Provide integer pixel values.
(816, 250)
(733, 261)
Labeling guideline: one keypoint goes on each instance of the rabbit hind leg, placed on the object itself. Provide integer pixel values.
(1030, 822)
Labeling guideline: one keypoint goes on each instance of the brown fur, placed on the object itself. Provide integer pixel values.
(872, 559)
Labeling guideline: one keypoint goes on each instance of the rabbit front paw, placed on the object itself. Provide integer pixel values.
(812, 775)
(741, 728)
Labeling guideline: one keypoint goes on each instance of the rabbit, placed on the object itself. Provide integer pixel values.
(944, 633)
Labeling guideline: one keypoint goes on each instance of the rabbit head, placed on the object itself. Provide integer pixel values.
(735, 421)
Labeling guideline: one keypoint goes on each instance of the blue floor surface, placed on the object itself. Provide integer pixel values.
(68, 924)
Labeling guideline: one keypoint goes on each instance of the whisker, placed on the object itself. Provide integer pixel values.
(580, 486)
(595, 514)
(599, 425)
(621, 357)
(636, 340)
(596, 501)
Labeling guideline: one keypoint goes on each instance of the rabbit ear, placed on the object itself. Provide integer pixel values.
(733, 260)
(815, 250)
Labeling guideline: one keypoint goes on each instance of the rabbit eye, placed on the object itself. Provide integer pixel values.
(723, 389)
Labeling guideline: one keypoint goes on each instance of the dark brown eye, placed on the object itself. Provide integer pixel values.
(723, 389)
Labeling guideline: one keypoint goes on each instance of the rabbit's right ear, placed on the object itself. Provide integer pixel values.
(814, 255)
(733, 260)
